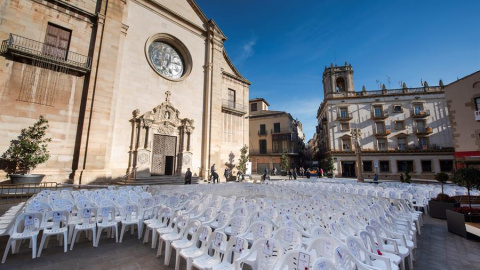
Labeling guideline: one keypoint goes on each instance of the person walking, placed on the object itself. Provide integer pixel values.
(265, 175)
(188, 177)
(295, 174)
(321, 172)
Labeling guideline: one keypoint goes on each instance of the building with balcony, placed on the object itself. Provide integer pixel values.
(138, 89)
(273, 133)
(463, 101)
(400, 127)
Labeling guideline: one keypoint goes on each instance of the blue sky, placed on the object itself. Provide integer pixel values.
(282, 46)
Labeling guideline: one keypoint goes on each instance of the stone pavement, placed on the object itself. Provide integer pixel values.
(437, 250)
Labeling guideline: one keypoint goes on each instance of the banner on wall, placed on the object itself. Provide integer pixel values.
(248, 171)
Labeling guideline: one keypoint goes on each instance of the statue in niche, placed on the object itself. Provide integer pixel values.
(167, 115)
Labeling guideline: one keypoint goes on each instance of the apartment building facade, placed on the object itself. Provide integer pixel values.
(273, 133)
(400, 128)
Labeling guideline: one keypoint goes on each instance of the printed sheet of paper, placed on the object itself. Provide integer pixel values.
(218, 239)
(261, 231)
(303, 261)
(288, 235)
(86, 213)
(57, 216)
(28, 220)
(239, 245)
(204, 234)
(268, 247)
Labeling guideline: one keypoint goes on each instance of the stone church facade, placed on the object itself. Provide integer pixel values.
(128, 86)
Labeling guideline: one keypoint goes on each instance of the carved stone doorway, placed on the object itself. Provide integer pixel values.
(164, 153)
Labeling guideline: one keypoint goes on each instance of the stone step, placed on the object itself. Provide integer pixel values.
(158, 180)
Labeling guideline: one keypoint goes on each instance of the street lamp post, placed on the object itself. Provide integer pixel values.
(357, 134)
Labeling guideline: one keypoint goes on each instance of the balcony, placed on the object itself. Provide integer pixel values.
(344, 116)
(234, 107)
(34, 50)
(423, 131)
(379, 116)
(419, 113)
(262, 133)
(282, 130)
(382, 133)
(276, 152)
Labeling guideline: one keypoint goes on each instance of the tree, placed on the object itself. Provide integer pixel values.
(469, 178)
(442, 178)
(330, 164)
(30, 149)
(284, 161)
(242, 161)
(408, 177)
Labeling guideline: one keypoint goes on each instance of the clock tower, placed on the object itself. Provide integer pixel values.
(337, 79)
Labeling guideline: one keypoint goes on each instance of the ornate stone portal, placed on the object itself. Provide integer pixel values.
(160, 142)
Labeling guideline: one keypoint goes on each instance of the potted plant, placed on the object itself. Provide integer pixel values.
(27, 152)
(284, 164)
(437, 206)
(242, 162)
(330, 167)
(470, 178)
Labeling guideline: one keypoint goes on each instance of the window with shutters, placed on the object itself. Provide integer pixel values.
(57, 40)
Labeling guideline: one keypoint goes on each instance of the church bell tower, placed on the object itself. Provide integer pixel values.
(337, 79)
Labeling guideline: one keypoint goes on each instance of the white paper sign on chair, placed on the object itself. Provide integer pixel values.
(57, 216)
(303, 261)
(239, 245)
(105, 212)
(218, 239)
(87, 213)
(268, 247)
(28, 220)
(288, 234)
(69, 208)
(204, 234)
(261, 231)
(129, 209)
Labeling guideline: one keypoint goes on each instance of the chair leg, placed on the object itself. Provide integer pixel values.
(146, 235)
(154, 238)
(177, 259)
(73, 239)
(116, 233)
(9, 243)
(122, 232)
(94, 233)
(42, 242)
(189, 263)
(99, 233)
(168, 254)
(65, 239)
(34, 246)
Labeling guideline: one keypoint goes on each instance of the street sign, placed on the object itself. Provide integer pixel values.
(375, 164)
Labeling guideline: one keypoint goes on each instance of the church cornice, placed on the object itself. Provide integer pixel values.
(237, 75)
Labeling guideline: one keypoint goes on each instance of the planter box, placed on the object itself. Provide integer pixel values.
(283, 173)
(456, 223)
(26, 178)
(438, 209)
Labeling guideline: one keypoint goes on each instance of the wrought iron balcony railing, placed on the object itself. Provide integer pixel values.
(234, 107)
(29, 48)
(419, 113)
(281, 130)
(344, 116)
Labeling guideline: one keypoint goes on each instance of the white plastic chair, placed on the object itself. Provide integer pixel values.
(192, 252)
(373, 247)
(106, 219)
(181, 234)
(323, 246)
(365, 256)
(235, 248)
(257, 230)
(185, 242)
(85, 222)
(173, 228)
(263, 255)
(346, 261)
(296, 259)
(323, 264)
(27, 226)
(161, 221)
(288, 238)
(59, 225)
(211, 255)
(130, 217)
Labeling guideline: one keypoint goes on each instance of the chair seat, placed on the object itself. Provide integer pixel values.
(381, 265)
(164, 230)
(85, 226)
(205, 261)
(55, 231)
(23, 235)
(183, 243)
(171, 237)
(191, 252)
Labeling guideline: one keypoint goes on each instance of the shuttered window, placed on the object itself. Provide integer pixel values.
(57, 40)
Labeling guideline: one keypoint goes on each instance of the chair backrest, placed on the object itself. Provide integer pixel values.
(236, 247)
(85, 216)
(358, 250)
(261, 229)
(297, 259)
(288, 238)
(203, 237)
(129, 213)
(323, 246)
(269, 251)
(106, 215)
(217, 241)
(345, 260)
(323, 264)
(58, 219)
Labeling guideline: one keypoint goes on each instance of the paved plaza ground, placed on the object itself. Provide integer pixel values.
(437, 250)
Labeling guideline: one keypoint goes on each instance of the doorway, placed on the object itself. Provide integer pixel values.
(348, 168)
(164, 153)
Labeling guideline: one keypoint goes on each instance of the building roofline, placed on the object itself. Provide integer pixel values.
(259, 99)
(461, 79)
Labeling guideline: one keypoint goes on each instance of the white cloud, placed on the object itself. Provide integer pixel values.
(247, 50)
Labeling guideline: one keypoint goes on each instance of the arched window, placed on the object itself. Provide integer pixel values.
(340, 84)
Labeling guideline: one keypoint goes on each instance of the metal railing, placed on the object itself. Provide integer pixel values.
(235, 106)
(262, 132)
(420, 113)
(417, 90)
(15, 193)
(344, 116)
(30, 47)
(281, 130)
(382, 115)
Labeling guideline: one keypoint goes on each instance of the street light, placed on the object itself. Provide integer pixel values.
(357, 134)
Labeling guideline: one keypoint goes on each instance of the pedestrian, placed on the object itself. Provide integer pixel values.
(290, 174)
(295, 174)
(274, 170)
(375, 178)
(212, 173)
(266, 174)
(302, 171)
(226, 174)
(401, 177)
(239, 175)
(321, 172)
(188, 177)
